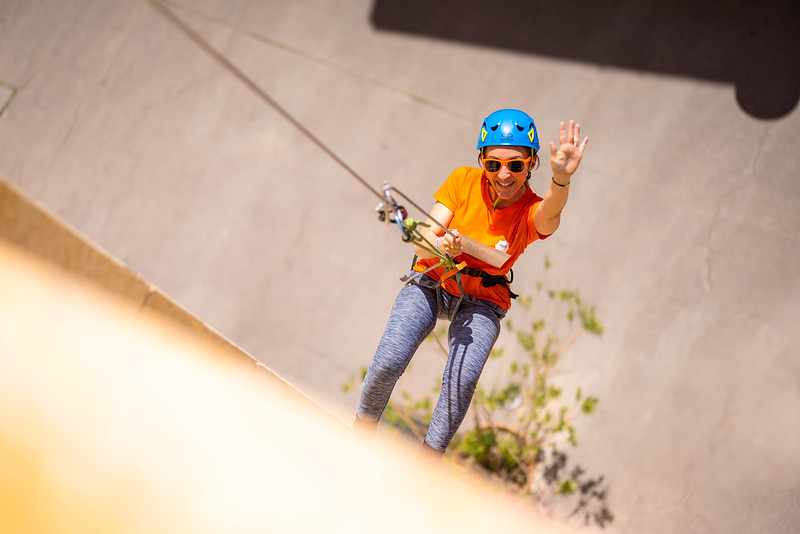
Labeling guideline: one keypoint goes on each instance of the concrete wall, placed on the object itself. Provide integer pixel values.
(682, 225)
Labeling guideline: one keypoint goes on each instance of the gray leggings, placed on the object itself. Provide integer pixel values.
(473, 332)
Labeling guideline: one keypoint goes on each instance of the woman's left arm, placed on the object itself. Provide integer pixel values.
(564, 163)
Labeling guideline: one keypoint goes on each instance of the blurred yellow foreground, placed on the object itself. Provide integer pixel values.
(114, 419)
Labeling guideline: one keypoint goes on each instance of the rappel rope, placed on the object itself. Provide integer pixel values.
(388, 210)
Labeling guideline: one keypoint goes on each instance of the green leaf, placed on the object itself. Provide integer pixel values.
(590, 322)
(528, 341)
(589, 405)
(477, 443)
(573, 437)
(567, 487)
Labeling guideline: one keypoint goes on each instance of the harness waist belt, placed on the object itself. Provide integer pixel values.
(490, 280)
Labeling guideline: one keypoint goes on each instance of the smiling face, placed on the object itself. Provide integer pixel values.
(508, 186)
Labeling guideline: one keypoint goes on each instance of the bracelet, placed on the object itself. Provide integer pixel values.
(440, 250)
(558, 184)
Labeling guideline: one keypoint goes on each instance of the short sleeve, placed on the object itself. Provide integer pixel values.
(531, 226)
(449, 193)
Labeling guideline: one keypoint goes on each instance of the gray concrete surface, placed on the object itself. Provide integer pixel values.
(682, 225)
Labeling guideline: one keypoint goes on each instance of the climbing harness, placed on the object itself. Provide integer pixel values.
(388, 210)
(491, 280)
(391, 212)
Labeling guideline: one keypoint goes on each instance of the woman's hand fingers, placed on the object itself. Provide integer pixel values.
(452, 246)
(567, 156)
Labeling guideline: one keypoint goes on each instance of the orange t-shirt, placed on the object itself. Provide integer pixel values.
(466, 194)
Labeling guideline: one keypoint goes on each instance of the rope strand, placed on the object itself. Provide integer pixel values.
(159, 6)
(385, 196)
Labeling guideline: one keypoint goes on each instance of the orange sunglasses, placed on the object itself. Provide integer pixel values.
(514, 166)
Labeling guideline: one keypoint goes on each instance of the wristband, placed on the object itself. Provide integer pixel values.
(558, 184)
(437, 244)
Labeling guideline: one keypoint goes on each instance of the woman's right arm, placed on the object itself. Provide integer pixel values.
(450, 245)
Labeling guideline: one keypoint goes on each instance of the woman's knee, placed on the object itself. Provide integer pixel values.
(386, 370)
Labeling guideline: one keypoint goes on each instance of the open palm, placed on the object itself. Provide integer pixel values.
(565, 160)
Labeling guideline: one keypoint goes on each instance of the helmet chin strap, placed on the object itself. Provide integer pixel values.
(496, 200)
(496, 194)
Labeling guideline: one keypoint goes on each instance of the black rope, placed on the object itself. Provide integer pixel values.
(384, 196)
(222, 60)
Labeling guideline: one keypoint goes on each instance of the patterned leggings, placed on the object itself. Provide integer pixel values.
(473, 331)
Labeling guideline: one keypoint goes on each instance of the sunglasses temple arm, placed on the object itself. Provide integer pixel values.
(387, 188)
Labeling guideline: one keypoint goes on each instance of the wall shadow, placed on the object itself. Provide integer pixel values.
(752, 44)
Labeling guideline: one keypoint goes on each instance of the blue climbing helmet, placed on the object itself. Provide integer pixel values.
(508, 127)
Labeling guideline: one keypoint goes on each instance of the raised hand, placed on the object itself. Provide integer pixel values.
(566, 159)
